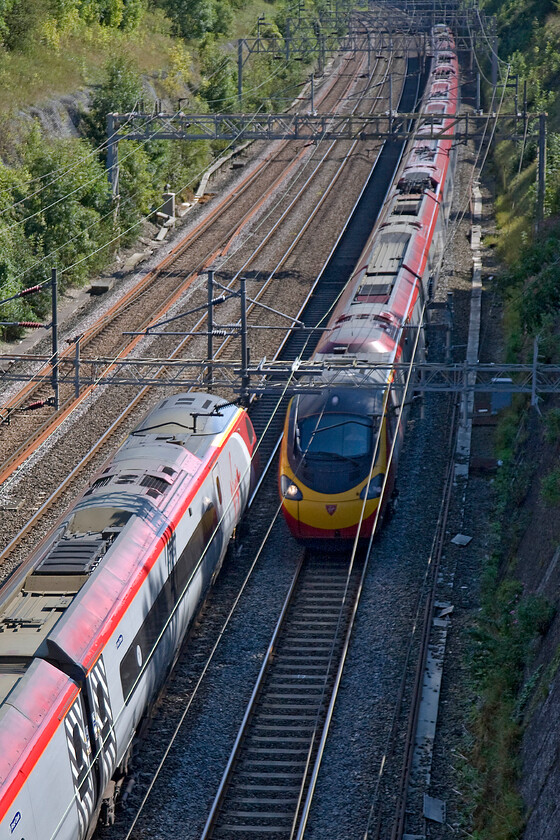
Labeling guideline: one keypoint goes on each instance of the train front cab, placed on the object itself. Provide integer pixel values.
(326, 455)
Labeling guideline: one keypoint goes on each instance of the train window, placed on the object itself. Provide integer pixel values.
(97, 520)
(78, 746)
(203, 546)
(250, 430)
(219, 489)
(101, 702)
(345, 435)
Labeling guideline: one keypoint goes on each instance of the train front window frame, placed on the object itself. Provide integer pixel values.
(343, 435)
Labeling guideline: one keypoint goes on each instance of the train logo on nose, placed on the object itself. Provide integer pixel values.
(330, 509)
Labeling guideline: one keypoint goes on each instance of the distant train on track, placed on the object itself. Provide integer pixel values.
(342, 440)
(88, 636)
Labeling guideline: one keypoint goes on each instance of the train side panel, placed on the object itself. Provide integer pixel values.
(47, 789)
(93, 629)
(153, 583)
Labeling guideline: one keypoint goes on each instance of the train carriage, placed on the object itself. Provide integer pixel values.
(341, 444)
(88, 636)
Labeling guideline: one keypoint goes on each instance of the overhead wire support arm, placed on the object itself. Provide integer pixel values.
(307, 126)
(268, 376)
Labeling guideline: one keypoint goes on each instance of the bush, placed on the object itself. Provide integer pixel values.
(67, 218)
(120, 91)
(552, 425)
(550, 488)
(502, 649)
(21, 21)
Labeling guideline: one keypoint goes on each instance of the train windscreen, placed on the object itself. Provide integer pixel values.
(344, 435)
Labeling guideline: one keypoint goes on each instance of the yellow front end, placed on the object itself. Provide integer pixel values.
(313, 516)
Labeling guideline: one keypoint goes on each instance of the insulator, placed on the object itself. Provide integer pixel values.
(30, 290)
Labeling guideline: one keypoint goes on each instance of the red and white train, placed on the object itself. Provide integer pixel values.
(341, 442)
(88, 636)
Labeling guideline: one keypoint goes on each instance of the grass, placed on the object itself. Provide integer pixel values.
(77, 61)
(514, 206)
(552, 425)
(244, 23)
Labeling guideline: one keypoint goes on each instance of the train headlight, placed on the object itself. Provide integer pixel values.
(290, 491)
(375, 487)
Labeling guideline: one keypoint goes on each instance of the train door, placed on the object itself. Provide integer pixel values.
(81, 765)
(103, 728)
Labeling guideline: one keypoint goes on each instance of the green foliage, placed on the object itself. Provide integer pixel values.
(509, 623)
(15, 257)
(502, 649)
(196, 18)
(552, 425)
(120, 91)
(55, 207)
(56, 213)
(550, 488)
(64, 217)
(123, 14)
(504, 640)
(179, 72)
(219, 86)
(517, 19)
(22, 21)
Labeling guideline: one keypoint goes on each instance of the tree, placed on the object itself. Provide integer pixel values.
(195, 18)
(120, 91)
(68, 219)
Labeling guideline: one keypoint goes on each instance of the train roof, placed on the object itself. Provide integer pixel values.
(379, 299)
(187, 418)
(108, 540)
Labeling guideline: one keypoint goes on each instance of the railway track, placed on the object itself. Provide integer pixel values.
(265, 786)
(297, 692)
(166, 350)
(396, 809)
(268, 786)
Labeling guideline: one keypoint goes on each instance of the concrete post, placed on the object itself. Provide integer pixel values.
(210, 350)
(112, 157)
(244, 346)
